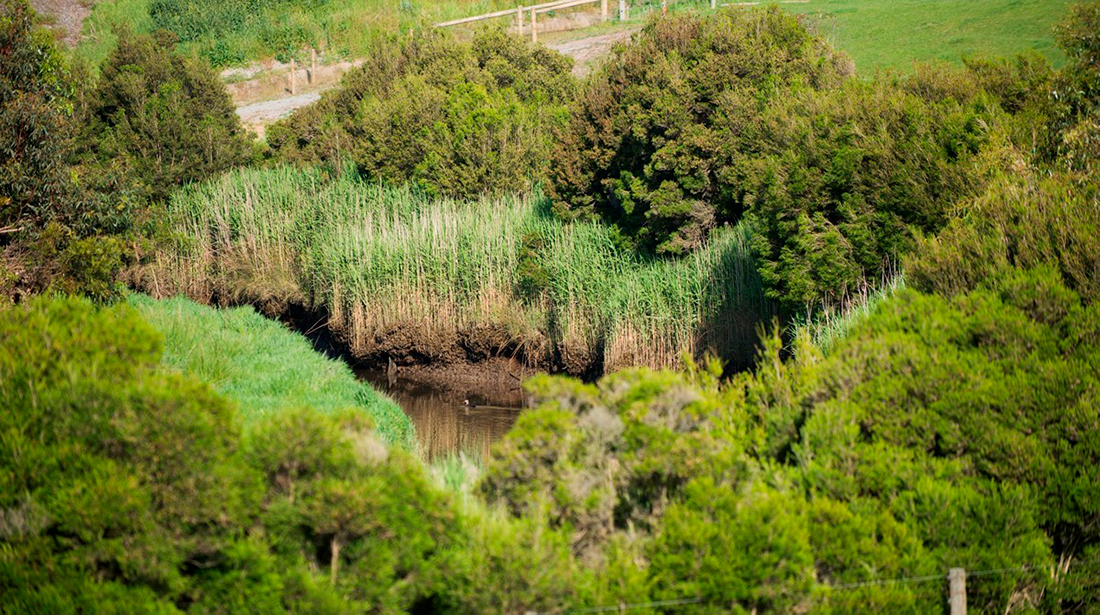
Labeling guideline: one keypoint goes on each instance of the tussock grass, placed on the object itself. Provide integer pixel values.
(828, 324)
(264, 367)
(385, 261)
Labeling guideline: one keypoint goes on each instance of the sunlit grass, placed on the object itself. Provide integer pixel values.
(262, 366)
(378, 259)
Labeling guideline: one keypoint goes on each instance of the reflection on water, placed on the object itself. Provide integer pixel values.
(444, 423)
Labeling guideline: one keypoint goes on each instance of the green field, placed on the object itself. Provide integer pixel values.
(262, 366)
(894, 33)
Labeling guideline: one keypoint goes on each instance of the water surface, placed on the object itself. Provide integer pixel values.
(444, 423)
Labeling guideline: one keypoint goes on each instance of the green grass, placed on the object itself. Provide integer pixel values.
(893, 33)
(386, 259)
(263, 366)
(342, 28)
(877, 33)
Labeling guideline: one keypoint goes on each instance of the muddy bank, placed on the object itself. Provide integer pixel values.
(472, 363)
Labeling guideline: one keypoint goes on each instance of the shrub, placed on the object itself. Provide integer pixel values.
(121, 472)
(164, 119)
(34, 124)
(456, 119)
(640, 148)
(1075, 122)
(1026, 220)
(700, 122)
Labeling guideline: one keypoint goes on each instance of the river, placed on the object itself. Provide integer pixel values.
(449, 420)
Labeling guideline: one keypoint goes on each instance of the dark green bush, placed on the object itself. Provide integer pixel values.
(699, 122)
(456, 119)
(642, 148)
(35, 124)
(160, 119)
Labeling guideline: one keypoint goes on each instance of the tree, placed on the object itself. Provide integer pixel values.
(34, 123)
(164, 119)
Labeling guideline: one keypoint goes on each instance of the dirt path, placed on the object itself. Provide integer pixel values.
(589, 50)
(67, 15)
(257, 116)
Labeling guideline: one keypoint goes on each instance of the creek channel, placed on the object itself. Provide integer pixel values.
(452, 418)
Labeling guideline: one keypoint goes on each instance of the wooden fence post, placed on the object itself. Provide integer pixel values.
(293, 79)
(622, 10)
(713, 4)
(603, 10)
(519, 20)
(534, 28)
(312, 65)
(957, 578)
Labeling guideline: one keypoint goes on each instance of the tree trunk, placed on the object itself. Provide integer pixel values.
(334, 564)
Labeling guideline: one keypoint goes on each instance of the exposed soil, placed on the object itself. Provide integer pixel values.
(67, 16)
(588, 51)
(257, 116)
(405, 354)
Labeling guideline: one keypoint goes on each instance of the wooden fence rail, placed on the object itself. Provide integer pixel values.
(546, 7)
(533, 10)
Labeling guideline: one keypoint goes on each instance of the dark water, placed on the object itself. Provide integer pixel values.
(444, 424)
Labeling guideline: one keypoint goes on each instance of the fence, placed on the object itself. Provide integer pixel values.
(535, 9)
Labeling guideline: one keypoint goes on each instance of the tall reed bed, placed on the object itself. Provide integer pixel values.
(407, 276)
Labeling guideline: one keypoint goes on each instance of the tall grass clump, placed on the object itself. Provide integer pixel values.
(408, 277)
(828, 323)
(262, 366)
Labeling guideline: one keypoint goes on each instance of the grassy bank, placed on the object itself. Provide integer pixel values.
(438, 280)
(895, 33)
(263, 367)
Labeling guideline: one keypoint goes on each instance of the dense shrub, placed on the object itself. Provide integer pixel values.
(699, 122)
(1075, 121)
(160, 119)
(456, 119)
(34, 123)
(1027, 220)
(116, 473)
(942, 432)
(643, 141)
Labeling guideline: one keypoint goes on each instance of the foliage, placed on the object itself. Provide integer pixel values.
(638, 150)
(160, 119)
(701, 122)
(954, 426)
(128, 485)
(263, 367)
(456, 119)
(116, 473)
(386, 262)
(1026, 220)
(34, 123)
(1075, 121)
